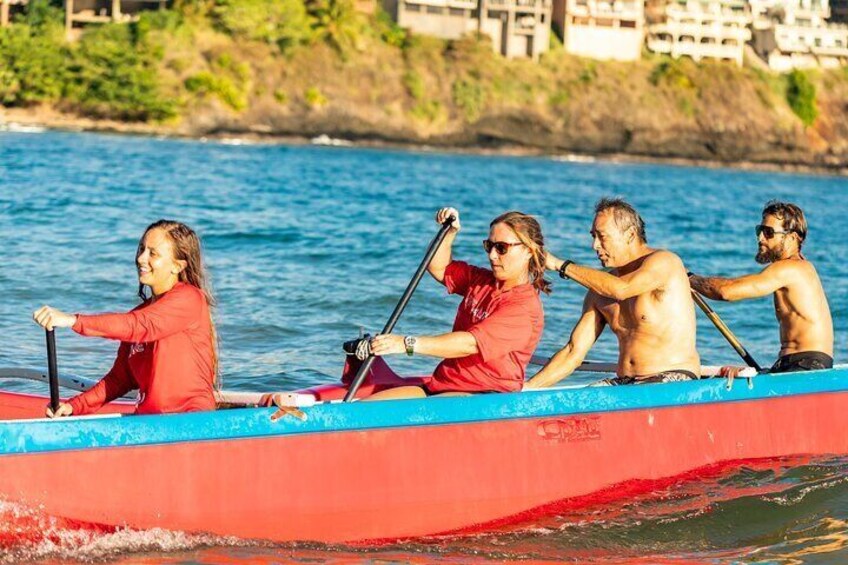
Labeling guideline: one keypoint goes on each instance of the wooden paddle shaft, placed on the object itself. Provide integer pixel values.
(725, 331)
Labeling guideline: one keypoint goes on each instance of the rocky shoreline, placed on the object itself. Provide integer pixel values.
(486, 137)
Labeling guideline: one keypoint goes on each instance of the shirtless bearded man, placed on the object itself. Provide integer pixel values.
(645, 299)
(806, 327)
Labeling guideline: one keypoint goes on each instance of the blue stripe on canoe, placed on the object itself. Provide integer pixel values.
(36, 436)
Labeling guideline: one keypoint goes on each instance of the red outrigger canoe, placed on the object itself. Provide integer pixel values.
(405, 468)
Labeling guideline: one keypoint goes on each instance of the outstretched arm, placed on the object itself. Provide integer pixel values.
(651, 275)
(769, 280)
(446, 346)
(567, 359)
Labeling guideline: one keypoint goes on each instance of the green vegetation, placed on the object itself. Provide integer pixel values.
(32, 57)
(469, 96)
(275, 60)
(284, 23)
(670, 72)
(112, 72)
(314, 98)
(801, 96)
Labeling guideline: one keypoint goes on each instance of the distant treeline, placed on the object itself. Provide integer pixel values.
(305, 55)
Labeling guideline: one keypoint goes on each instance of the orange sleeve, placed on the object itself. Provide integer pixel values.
(174, 312)
(117, 382)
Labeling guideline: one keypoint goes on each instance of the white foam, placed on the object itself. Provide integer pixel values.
(43, 537)
(21, 128)
(325, 139)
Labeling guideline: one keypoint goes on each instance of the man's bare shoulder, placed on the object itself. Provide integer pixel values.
(663, 259)
(792, 270)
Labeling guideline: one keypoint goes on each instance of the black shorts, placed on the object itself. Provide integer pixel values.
(664, 377)
(803, 361)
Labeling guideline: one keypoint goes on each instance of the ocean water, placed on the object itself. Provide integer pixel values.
(306, 245)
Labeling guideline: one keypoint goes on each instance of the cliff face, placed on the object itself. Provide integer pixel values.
(384, 85)
(460, 95)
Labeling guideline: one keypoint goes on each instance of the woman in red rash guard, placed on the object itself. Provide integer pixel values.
(168, 341)
(499, 321)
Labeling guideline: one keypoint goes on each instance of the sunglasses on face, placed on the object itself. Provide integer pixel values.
(769, 232)
(502, 247)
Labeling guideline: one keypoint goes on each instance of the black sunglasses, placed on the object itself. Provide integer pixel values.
(502, 247)
(768, 231)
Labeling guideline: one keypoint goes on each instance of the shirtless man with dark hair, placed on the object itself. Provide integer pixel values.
(806, 327)
(645, 299)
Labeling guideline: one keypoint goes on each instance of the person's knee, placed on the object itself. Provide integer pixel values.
(398, 393)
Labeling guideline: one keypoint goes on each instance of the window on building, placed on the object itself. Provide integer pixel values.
(434, 9)
(457, 12)
(628, 23)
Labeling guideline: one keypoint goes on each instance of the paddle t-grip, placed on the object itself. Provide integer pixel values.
(52, 370)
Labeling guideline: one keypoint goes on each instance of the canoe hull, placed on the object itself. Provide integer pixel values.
(381, 475)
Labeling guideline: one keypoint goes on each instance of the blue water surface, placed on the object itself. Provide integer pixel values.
(305, 245)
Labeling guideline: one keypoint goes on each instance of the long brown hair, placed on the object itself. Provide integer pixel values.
(186, 246)
(529, 232)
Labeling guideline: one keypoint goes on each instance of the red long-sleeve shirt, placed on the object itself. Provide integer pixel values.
(165, 352)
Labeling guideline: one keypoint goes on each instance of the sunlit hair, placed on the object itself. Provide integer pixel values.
(790, 215)
(624, 214)
(186, 246)
(529, 232)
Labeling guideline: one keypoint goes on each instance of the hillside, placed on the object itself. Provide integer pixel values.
(285, 68)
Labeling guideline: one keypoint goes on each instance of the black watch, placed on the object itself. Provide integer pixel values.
(563, 267)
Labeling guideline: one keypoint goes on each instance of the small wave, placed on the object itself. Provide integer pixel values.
(574, 158)
(21, 128)
(325, 139)
(236, 141)
(28, 535)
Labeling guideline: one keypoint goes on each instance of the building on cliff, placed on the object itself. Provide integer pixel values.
(601, 29)
(795, 34)
(702, 29)
(7, 8)
(83, 12)
(518, 28)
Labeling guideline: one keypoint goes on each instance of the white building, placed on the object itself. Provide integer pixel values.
(795, 34)
(518, 28)
(601, 29)
(702, 29)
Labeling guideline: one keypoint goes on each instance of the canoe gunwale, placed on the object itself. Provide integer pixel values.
(18, 437)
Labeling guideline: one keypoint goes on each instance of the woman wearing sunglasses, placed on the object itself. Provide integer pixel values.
(499, 321)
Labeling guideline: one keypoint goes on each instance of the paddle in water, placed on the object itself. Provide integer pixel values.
(401, 305)
(725, 331)
(52, 370)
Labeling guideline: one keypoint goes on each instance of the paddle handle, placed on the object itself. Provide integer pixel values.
(401, 305)
(413, 284)
(725, 331)
(52, 369)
